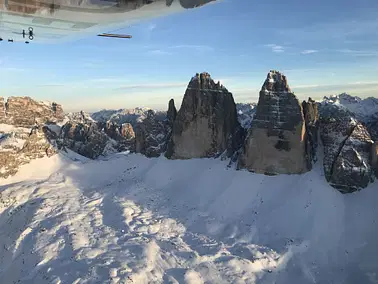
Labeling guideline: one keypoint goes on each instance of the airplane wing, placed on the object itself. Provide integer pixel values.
(63, 20)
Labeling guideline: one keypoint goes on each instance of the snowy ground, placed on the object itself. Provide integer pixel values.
(130, 219)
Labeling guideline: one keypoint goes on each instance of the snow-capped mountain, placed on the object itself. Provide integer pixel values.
(132, 116)
(363, 109)
(246, 112)
(193, 213)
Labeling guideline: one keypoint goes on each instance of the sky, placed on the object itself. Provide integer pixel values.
(323, 47)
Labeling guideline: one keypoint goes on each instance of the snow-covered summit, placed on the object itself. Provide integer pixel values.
(276, 82)
(121, 116)
(81, 116)
(245, 113)
(363, 109)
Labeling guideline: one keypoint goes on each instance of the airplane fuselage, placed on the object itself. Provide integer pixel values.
(62, 20)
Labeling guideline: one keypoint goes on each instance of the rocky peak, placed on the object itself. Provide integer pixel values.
(127, 131)
(203, 81)
(374, 158)
(80, 117)
(172, 112)
(86, 139)
(275, 143)
(311, 117)
(2, 110)
(24, 111)
(18, 146)
(276, 83)
(351, 170)
(151, 136)
(246, 113)
(206, 122)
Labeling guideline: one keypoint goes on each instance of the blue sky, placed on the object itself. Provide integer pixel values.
(324, 47)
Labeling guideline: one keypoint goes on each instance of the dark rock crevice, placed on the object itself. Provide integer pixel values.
(341, 146)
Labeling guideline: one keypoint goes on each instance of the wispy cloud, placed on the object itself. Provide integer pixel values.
(276, 48)
(158, 52)
(358, 31)
(360, 53)
(12, 69)
(201, 48)
(309, 51)
(164, 85)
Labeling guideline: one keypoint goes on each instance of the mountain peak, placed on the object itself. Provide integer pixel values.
(276, 82)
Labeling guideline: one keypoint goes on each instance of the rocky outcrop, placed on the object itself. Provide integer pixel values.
(80, 117)
(26, 112)
(275, 144)
(19, 146)
(374, 158)
(206, 124)
(127, 131)
(123, 134)
(85, 139)
(352, 170)
(311, 117)
(336, 125)
(2, 111)
(172, 112)
(151, 136)
(347, 148)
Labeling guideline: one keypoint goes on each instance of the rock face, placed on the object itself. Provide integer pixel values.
(206, 124)
(19, 146)
(347, 149)
(26, 112)
(351, 170)
(311, 116)
(275, 143)
(374, 158)
(172, 112)
(123, 134)
(2, 110)
(86, 139)
(336, 125)
(151, 136)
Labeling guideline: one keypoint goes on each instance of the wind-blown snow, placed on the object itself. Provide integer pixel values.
(130, 219)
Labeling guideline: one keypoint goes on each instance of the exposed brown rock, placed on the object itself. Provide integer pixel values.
(127, 131)
(275, 143)
(2, 110)
(26, 112)
(21, 146)
(123, 134)
(206, 123)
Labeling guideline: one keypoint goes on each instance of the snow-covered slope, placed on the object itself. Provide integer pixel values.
(131, 219)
